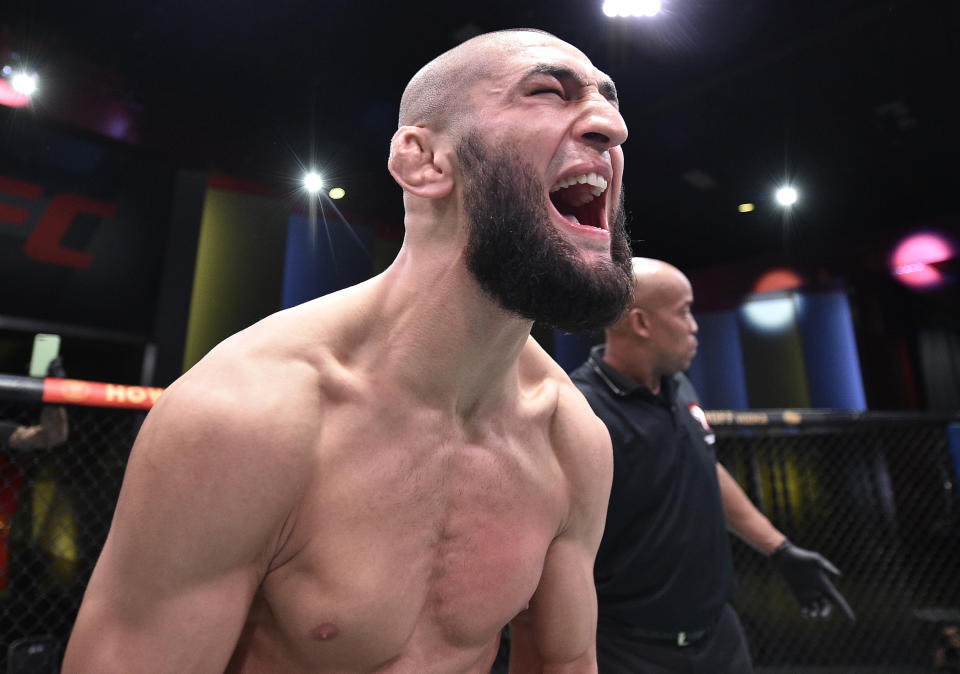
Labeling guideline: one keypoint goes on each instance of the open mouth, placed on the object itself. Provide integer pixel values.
(579, 199)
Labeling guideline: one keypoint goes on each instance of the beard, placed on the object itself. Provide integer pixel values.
(518, 257)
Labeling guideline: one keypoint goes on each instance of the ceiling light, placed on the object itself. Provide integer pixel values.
(313, 182)
(786, 196)
(624, 8)
(24, 83)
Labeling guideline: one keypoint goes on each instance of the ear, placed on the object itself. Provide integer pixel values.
(639, 322)
(417, 164)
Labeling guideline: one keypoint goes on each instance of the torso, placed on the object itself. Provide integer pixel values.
(664, 563)
(417, 537)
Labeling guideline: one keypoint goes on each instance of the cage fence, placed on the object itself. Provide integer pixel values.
(876, 494)
(55, 510)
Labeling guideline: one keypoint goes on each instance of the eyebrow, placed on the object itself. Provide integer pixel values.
(564, 74)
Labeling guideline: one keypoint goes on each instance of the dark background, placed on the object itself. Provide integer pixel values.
(852, 101)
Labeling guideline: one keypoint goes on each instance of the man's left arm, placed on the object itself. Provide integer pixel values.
(803, 570)
(557, 633)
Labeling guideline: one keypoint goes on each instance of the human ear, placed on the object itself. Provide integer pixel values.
(639, 322)
(417, 165)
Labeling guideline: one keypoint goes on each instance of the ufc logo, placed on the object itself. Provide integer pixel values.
(44, 242)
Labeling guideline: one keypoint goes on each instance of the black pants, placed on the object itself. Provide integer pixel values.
(723, 651)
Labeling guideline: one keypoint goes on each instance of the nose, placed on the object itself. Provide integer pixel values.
(601, 124)
(694, 328)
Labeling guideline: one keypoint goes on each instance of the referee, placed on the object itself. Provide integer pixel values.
(664, 571)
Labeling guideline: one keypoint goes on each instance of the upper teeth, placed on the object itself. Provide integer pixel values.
(598, 183)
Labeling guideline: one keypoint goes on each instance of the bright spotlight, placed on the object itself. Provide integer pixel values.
(648, 7)
(24, 83)
(770, 315)
(625, 8)
(313, 182)
(337, 193)
(786, 196)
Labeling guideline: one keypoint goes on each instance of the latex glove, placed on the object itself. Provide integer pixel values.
(804, 572)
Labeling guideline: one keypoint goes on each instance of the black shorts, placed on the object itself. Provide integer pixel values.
(722, 651)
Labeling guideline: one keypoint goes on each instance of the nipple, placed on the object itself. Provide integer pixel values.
(325, 632)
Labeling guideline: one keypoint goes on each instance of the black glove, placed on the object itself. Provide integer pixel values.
(804, 572)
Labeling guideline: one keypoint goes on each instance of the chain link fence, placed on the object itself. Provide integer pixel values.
(55, 510)
(874, 494)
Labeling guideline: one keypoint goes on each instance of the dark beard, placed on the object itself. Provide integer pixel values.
(520, 260)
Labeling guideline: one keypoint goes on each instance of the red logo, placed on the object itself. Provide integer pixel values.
(697, 413)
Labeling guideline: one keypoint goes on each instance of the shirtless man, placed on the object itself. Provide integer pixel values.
(380, 479)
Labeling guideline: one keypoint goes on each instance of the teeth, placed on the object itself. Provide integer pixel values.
(598, 183)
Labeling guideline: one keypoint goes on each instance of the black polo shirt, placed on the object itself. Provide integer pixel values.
(664, 563)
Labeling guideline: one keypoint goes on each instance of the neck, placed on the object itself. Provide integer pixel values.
(632, 364)
(441, 337)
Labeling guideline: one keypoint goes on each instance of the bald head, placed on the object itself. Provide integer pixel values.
(434, 97)
(656, 336)
(654, 282)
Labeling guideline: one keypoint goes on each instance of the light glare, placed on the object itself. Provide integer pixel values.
(24, 83)
(913, 259)
(337, 193)
(779, 278)
(625, 8)
(313, 182)
(786, 196)
(770, 315)
(745, 208)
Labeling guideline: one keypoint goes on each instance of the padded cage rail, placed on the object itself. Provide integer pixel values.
(77, 392)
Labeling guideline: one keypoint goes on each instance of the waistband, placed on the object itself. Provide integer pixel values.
(678, 638)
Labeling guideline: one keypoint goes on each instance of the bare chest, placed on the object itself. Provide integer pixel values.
(415, 542)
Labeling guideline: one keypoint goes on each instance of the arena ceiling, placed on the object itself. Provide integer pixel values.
(854, 101)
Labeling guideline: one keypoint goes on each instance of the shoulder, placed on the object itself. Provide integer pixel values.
(275, 370)
(252, 404)
(571, 413)
(259, 371)
(579, 438)
(685, 390)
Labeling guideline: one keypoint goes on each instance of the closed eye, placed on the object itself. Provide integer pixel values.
(556, 91)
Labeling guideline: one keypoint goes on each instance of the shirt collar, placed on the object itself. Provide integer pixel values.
(622, 385)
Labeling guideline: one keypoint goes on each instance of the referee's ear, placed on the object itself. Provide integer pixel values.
(639, 322)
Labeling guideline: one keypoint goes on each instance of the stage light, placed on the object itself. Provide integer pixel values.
(745, 208)
(24, 83)
(913, 259)
(787, 196)
(625, 8)
(771, 315)
(313, 182)
(337, 193)
(779, 278)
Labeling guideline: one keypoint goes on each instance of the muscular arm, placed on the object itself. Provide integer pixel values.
(557, 633)
(743, 518)
(199, 516)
